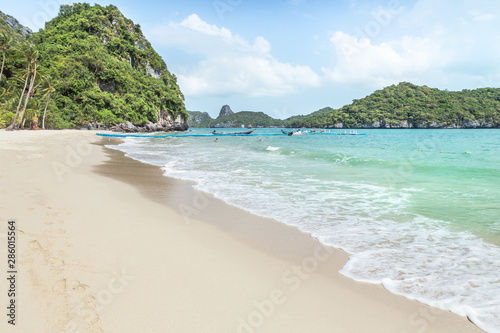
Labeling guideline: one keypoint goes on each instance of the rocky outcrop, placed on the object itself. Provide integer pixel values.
(199, 119)
(225, 124)
(421, 125)
(166, 123)
(16, 26)
(225, 111)
(152, 71)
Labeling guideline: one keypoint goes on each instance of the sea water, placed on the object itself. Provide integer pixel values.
(418, 210)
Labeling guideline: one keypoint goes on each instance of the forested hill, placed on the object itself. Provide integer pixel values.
(398, 106)
(410, 106)
(99, 67)
(238, 119)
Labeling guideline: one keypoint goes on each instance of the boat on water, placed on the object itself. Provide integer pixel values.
(234, 133)
(297, 132)
(351, 132)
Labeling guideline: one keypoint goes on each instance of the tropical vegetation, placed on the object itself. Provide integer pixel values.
(90, 64)
(238, 119)
(415, 106)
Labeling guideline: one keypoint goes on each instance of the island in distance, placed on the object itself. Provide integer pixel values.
(398, 106)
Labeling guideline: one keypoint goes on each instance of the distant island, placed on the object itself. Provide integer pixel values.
(227, 118)
(410, 106)
(398, 106)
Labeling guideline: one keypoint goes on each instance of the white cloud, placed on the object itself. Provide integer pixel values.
(483, 16)
(230, 64)
(250, 75)
(358, 60)
(444, 44)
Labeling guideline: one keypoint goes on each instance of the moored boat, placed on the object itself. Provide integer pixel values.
(234, 133)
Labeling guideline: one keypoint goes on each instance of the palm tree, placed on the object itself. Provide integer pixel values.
(3, 91)
(27, 50)
(48, 87)
(31, 92)
(4, 45)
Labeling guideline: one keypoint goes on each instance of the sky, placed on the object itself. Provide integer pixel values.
(290, 57)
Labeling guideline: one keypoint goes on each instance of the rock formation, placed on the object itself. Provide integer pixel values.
(225, 111)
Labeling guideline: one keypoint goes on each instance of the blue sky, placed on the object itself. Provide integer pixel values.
(291, 57)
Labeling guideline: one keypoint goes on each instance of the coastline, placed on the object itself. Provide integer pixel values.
(109, 244)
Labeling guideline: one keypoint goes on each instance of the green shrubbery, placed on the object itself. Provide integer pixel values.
(413, 104)
(101, 66)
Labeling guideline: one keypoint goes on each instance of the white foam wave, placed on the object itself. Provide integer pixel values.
(408, 254)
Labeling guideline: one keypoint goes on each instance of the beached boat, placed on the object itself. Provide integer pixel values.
(235, 133)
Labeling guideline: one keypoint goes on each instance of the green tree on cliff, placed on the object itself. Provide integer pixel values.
(5, 41)
(26, 50)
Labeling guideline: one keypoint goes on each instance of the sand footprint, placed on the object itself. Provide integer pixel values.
(80, 288)
(56, 265)
(35, 246)
(60, 286)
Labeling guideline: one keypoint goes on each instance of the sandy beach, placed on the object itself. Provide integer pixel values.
(105, 243)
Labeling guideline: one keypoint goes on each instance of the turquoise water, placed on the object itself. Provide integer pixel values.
(418, 214)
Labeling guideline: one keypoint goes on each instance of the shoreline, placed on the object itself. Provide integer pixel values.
(168, 257)
(294, 245)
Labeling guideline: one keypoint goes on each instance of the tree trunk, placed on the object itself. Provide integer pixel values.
(32, 82)
(11, 126)
(45, 111)
(3, 62)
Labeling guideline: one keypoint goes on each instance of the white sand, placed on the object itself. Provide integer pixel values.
(96, 254)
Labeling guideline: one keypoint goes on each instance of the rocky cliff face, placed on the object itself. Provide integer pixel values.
(199, 119)
(225, 111)
(16, 26)
(167, 123)
(421, 125)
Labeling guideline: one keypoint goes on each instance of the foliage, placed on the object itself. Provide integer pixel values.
(413, 104)
(199, 119)
(102, 69)
(243, 118)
